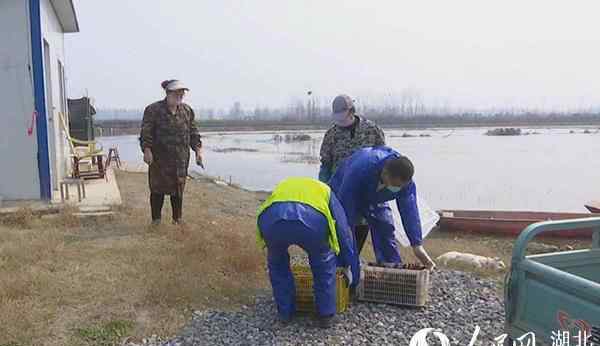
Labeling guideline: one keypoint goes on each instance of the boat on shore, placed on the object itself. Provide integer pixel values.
(510, 223)
(593, 207)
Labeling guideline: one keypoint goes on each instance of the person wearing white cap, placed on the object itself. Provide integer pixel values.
(168, 132)
(349, 133)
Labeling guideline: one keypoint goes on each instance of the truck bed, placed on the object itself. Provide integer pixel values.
(557, 292)
(582, 263)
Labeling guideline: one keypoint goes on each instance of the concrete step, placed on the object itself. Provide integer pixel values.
(95, 214)
(94, 208)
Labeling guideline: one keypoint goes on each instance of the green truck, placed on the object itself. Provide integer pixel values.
(555, 297)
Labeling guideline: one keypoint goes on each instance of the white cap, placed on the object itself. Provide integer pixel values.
(176, 85)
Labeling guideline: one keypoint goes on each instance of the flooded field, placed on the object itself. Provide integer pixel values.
(543, 169)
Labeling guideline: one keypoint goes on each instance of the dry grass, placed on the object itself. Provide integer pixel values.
(64, 280)
(67, 281)
(440, 242)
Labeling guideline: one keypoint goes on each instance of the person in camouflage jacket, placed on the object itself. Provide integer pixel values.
(349, 133)
(168, 132)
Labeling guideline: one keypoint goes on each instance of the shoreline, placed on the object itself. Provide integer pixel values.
(142, 168)
(110, 128)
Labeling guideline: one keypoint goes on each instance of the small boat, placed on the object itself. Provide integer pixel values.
(593, 207)
(510, 223)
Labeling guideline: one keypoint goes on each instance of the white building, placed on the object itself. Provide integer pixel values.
(33, 148)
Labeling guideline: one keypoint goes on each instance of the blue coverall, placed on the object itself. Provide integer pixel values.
(292, 223)
(355, 183)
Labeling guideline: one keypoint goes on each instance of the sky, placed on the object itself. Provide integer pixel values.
(461, 53)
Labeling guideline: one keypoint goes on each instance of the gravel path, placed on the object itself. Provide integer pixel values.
(458, 303)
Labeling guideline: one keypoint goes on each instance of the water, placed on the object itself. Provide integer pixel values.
(455, 169)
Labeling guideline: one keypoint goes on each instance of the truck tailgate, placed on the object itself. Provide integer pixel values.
(552, 293)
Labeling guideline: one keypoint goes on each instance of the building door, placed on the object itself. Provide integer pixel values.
(50, 113)
(62, 138)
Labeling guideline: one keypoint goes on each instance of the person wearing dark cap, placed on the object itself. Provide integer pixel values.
(168, 132)
(349, 133)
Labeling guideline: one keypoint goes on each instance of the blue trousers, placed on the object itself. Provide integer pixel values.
(278, 237)
(382, 227)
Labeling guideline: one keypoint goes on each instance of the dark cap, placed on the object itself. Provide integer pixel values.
(341, 104)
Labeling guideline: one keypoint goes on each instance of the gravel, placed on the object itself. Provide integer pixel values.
(458, 303)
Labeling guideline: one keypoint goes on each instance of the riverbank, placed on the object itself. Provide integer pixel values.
(71, 281)
(131, 127)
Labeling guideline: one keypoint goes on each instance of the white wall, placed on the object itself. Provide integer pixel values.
(19, 174)
(52, 32)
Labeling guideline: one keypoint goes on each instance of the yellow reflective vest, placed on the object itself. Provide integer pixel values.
(306, 191)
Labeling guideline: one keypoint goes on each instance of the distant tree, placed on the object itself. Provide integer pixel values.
(257, 114)
(210, 113)
(236, 110)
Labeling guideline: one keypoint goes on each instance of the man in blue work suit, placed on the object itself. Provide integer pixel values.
(305, 212)
(367, 179)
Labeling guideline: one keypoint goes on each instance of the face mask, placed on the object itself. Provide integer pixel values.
(385, 180)
(394, 189)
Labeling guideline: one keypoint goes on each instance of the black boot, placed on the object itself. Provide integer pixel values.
(361, 231)
(326, 322)
(177, 207)
(156, 204)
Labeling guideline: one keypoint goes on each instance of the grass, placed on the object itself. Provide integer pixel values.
(107, 334)
(68, 281)
(439, 242)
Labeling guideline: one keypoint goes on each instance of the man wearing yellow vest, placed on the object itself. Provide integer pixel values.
(306, 213)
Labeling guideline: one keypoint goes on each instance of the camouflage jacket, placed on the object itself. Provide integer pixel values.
(340, 142)
(170, 137)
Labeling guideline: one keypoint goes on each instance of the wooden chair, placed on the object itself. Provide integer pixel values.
(84, 152)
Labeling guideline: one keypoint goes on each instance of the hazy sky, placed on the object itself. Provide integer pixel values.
(269, 52)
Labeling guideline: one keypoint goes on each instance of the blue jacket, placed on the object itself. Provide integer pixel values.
(355, 183)
(310, 217)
